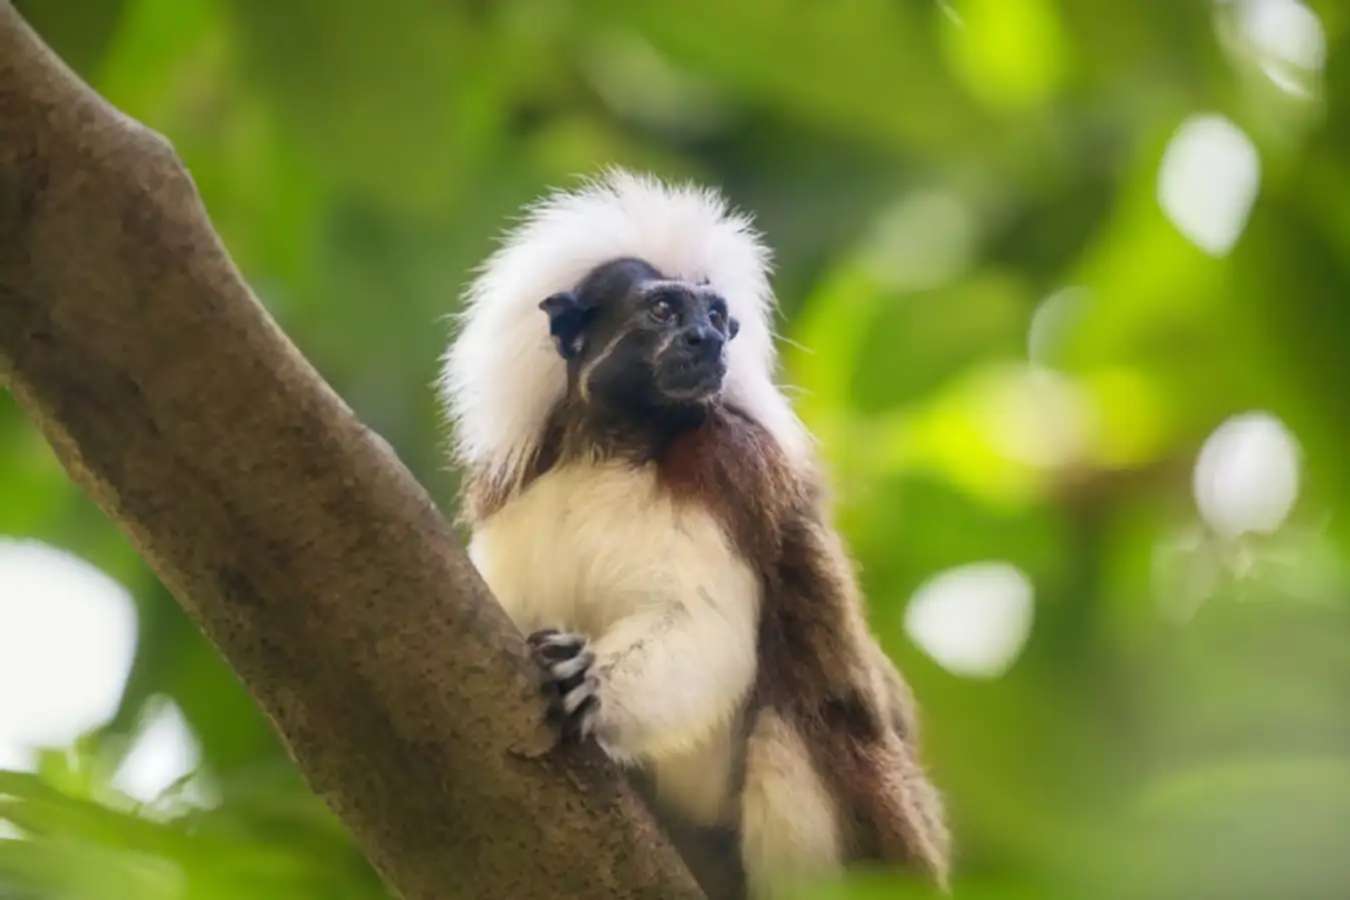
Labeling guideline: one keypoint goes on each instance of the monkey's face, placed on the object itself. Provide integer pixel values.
(638, 343)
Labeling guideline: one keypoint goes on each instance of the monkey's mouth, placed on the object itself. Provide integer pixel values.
(691, 379)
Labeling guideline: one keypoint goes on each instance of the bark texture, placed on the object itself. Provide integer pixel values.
(291, 533)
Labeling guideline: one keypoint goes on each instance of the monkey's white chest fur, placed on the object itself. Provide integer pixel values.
(670, 607)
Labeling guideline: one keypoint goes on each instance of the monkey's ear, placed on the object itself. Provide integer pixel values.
(733, 328)
(567, 320)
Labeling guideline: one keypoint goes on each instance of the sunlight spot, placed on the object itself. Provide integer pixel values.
(1208, 182)
(1011, 54)
(1131, 412)
(67, 634)
(1246, 478)
(1041, 418)
(973, 620)
(922, 242)
(164, 750)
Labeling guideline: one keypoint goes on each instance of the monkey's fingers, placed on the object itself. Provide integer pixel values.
(537, 636)
(572, 688)
(566, 669)
(582, 725)
(580, 708)
(551, 645)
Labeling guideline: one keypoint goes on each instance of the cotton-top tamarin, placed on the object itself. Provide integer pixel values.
(645, 505)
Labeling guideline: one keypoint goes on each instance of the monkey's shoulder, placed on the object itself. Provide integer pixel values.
(733, 467)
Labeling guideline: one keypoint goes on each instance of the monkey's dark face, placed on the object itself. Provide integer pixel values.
(638, 343)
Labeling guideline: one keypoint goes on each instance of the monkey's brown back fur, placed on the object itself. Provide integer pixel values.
(819, 667)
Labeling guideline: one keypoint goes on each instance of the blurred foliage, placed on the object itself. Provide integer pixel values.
(928, 173)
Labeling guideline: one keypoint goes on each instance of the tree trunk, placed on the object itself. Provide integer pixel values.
(290, 532)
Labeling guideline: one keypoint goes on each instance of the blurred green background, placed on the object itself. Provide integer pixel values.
(1033, 258)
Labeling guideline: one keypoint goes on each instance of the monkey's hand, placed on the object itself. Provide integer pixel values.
(573, 688)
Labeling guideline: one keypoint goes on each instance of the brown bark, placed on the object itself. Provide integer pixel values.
(291, 533)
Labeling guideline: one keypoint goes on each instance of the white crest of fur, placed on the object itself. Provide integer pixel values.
(502, 376)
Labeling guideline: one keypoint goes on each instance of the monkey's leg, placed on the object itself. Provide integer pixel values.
(790, 825)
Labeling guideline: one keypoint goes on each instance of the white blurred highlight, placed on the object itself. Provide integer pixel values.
(67, 635)
(1246, 478)
(1208, 182)
(1288, 40)
(973, 620)
(164, 750)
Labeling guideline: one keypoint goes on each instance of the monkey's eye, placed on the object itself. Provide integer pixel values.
(662, 309)
(718, 317)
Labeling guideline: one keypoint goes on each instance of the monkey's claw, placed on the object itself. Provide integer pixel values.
(573, 689)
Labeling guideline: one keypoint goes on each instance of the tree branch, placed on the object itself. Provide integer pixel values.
(291, 533)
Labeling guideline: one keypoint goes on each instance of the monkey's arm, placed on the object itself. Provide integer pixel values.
(670, 673)
(662, 678)
(838, 690)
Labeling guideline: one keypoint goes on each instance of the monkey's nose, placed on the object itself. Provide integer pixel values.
(702, 338)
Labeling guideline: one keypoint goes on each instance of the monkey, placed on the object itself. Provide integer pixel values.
(648, 509)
